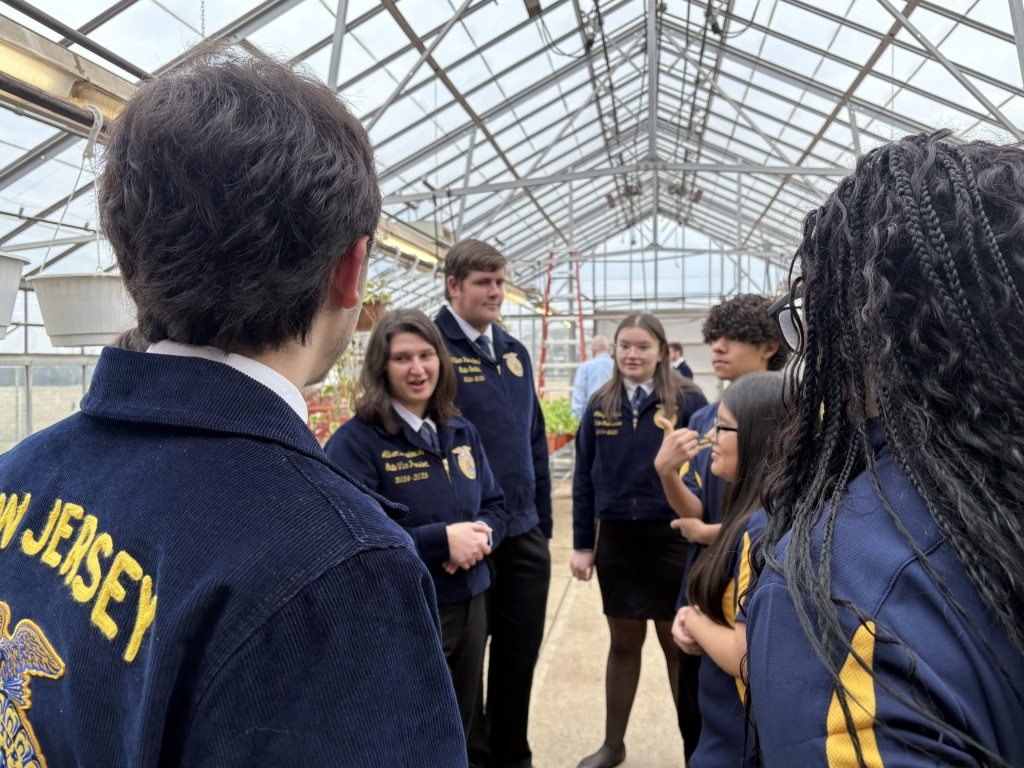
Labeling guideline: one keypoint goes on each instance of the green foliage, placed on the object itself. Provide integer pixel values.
(558, 418)
(375, 292)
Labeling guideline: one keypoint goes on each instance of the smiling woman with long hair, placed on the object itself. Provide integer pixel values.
(621, 519)
(887, 627)
(408, 443)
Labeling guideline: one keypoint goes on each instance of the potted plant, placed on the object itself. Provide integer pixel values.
(10, 281)
(330, 402)
(561, 425)
(375, 303)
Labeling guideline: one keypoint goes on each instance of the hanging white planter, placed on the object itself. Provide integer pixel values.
(83, 310)
(10, 279)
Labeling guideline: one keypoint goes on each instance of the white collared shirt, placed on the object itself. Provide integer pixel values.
(411, 418)
(264, 374)
(647, 387)
(472, 333)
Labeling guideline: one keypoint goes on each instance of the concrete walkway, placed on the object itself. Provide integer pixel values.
(567, 713)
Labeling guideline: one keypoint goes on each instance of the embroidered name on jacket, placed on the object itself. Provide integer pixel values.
(25, 653)
(85, 559)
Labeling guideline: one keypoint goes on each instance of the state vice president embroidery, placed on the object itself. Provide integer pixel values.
(24, 654)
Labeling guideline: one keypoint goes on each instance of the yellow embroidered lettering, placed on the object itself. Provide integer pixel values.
(11, 516)
(29, 545)
(61, 532)
(112, 589)
(145, 616)
(74, 557)
(102, 544)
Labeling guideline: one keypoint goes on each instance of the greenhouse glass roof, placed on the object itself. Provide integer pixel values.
(630, 132)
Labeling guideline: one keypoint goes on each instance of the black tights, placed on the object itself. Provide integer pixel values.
(623, 676)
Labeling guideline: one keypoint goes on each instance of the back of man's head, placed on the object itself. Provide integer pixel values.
(470, 256)
(599, 345)
(232, 187)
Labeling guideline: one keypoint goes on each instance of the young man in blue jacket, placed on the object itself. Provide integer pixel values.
(496, 393)
(186, 579)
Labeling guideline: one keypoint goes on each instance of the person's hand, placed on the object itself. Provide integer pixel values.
(678, 446)
(467, 545)
(686, 643)
(688, 526)
(582, 564)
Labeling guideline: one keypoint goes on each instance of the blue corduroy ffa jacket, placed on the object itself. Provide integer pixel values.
(615, 478)
(499, 398)
(453, 485)
(186, 580)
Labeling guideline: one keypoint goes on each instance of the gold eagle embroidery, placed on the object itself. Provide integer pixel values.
(25, 653)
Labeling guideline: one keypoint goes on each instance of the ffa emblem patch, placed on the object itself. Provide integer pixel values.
(26, 652)
(660, 414)
(465, 460)
(512, 361)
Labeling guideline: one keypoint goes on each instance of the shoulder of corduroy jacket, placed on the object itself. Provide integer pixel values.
(205, 507)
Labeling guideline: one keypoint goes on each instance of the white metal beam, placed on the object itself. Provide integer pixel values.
(1017, 18)
(336, 43)
(652, 79)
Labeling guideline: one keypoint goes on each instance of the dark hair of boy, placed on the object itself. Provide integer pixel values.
(240, 254)
(131, 339)
(755, 399)
(676, 346)
(374, 403)
(745, 318)
(667, 382)
(468, 256)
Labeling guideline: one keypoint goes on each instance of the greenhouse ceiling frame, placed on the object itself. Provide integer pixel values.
(658, 123)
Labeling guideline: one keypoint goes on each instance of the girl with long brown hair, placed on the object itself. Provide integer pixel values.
(621, 519)
(409, 443)
(743, 447)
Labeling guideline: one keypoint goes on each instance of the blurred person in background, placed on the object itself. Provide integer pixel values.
(887, 626)
(496, 392)
(591, 375)
(187, 579)
(744, 446)
(621, 518)
(409, 443)
(675, 356)
(743, 339)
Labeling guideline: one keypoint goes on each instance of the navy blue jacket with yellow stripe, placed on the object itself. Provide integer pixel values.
(919, 647)
(615, 478)
(186, 580)
(453, 485)
(499, 398)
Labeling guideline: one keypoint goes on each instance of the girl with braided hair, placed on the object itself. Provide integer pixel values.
(887, 627)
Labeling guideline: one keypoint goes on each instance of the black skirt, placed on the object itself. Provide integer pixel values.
(640, 566)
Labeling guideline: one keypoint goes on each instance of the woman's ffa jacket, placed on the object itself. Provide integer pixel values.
(916, 643)
(187, 580)
(724, 735)
(707, 487)
(454, 485)
(499, 399)
(615, 478)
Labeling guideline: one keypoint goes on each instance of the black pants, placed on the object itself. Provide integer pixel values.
(463, 637)
(516, 605)
(689, 711)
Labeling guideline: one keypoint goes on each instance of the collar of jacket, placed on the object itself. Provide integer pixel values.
(445, 321)
(444, 432)
(195, 393)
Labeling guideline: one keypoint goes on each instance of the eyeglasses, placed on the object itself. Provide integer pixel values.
(719, 429)
(641, 350)
(787, 314)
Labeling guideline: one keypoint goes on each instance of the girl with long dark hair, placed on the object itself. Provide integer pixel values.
(887, 626)
(621, 520)
(409, 443)
(743, 443)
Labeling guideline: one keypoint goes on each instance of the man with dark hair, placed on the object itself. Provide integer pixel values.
(675, 356)
(496, 392)
(743, 340)
(192, 582)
